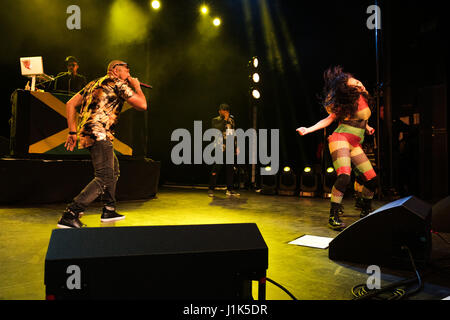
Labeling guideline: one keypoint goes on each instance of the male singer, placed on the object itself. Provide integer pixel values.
(226, 124)
(101, 102)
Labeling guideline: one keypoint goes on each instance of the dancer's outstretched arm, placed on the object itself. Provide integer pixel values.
(318, 126)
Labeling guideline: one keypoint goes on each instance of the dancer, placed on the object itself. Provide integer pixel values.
(101, 102)
(347, 101)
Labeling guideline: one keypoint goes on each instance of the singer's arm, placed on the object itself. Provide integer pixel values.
(138, 100)
(74, 102)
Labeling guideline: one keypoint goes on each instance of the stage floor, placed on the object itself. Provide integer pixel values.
(306, 272)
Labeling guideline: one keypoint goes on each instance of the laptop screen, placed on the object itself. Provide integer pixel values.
(31, 66)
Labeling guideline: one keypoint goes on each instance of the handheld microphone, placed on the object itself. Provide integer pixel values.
(145, 85)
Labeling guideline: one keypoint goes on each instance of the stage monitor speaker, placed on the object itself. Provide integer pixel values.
(156, 262)
(441, 216)
(379, 238)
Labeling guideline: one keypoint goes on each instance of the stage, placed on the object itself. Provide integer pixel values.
(306, 272)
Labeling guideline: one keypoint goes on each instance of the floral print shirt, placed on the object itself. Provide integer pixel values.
(102, 103)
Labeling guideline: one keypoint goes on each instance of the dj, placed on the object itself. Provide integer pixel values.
(70, 81)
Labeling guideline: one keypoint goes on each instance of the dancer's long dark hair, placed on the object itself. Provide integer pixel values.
(338, 97)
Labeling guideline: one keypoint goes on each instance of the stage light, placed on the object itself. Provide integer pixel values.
(269, 183)
(217, 22)
(255, 62)
(156, 4)
(256, 78)
(256, 94)
(204, 10)
(309, 182)
(328, 180)
(288, 182)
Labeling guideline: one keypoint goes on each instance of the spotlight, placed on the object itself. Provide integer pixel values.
(156, 4)
(217, 22)
(328, 180)
(308, 182)
(256, 94)
(269, 183)
(255, 77)
(204, 10)
(288, 182)
(255, 62)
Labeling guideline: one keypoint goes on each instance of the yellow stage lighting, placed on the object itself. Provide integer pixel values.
(204, 10)
(217, 22)
(307, 170)
(287, 169)
(156, 4)
(330, 170)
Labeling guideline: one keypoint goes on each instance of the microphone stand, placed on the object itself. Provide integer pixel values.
(53, 79)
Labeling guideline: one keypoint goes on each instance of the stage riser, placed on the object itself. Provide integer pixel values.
(53, 181)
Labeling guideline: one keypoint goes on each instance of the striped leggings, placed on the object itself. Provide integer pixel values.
(344, 154)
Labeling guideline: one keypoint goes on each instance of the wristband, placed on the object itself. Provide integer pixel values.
(72, 133)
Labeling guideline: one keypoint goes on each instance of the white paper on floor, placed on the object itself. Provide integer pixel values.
(312, 241)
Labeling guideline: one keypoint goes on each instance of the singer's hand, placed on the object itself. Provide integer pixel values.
(71, 142)
(134, 82)
(370, 130)
(302, 131)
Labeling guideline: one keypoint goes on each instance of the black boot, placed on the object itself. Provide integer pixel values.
(366, 207)
(341, 210)
(335, 222)
(358, 201)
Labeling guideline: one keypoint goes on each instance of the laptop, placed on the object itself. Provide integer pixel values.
(31, 66)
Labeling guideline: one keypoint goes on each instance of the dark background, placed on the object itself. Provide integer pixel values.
(194, 67)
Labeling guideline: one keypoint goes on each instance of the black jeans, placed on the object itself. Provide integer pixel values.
(216, 168)
(106, 174)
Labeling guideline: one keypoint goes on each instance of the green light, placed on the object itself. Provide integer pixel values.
(268, 169)
(308, 170)
(287, 169)
(330, 170)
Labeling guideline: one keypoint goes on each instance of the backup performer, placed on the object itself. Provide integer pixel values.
(347, 101)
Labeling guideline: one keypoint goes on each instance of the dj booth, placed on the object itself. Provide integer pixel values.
(40, 170)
